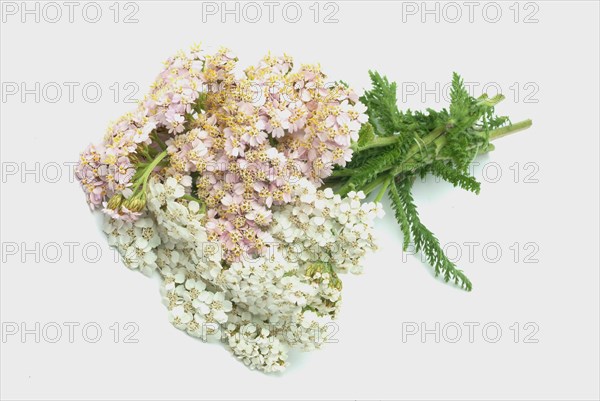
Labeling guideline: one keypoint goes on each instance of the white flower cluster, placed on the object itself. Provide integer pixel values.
(324, 227)
(136, 242)
(258, 306)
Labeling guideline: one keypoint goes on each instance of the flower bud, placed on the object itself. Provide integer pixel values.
(136, 203)
(115, 201)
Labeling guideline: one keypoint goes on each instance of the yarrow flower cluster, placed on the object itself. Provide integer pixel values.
(245, 191)
(242, 141)
(255, 136)
(215, 181)
(260, 306)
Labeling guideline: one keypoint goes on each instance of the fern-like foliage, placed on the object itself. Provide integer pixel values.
(424, 240)
(381, 105)
(396, 146)
(366, 134)
(400, 213)
(447, 172)
(371, 168)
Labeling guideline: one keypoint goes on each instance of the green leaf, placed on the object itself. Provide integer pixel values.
(426, 242)
(365, 135)
(400, 213)
(455, 177)
(381, 105)
(401, 145)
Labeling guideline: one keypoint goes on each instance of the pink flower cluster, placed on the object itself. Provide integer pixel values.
(256, 136)
(175, 91)
(107, 169)
(237, 144)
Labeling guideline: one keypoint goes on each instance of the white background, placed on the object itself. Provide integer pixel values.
(557, 56)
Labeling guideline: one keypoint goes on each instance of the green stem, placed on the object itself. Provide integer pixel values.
(143, 180)
(144, 151)
(416, 149)
(160, 142)
(155, 162)
(438, 137)
(510, 129)
(384, 188)
(411, 161)
(406, 164)
(376, 143)
(367, 189)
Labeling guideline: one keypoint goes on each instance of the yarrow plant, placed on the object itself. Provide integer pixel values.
(247, 192)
